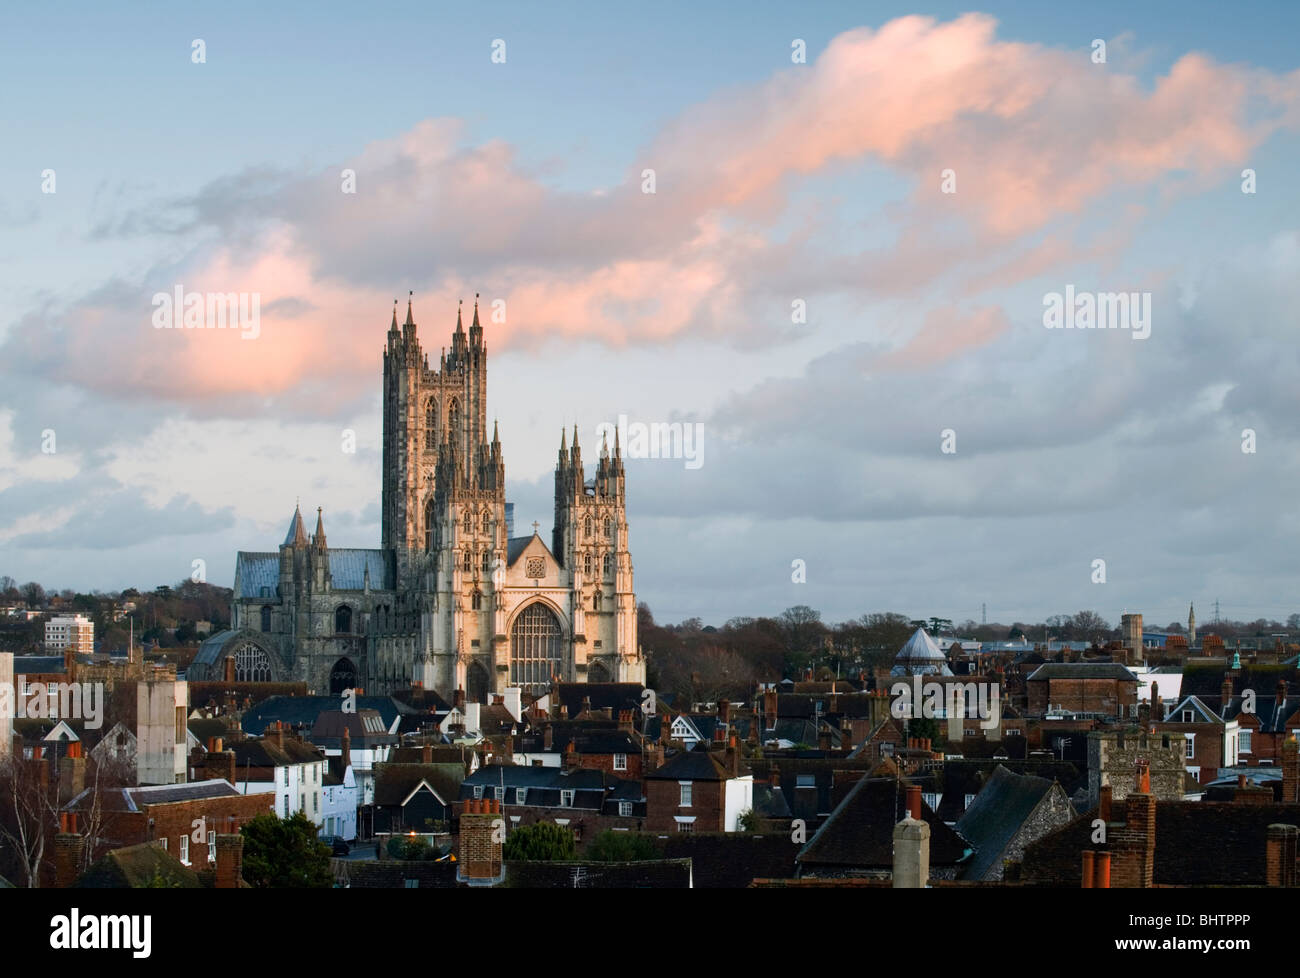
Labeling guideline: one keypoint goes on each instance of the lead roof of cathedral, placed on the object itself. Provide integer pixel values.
(256, 571)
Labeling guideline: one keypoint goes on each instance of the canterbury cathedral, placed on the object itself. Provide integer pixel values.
(451, 600)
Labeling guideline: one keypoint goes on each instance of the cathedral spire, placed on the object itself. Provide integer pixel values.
(459, 303)
(476, 309)
(319, 539)
(409, 320)
(394, 326)
(297, 535)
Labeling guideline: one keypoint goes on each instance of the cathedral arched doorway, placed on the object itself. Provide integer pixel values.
(535, 642)
(343, 676)
(597, 673)
(476, 683)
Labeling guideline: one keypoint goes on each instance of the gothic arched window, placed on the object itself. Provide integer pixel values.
(586, 564)
(595, 601)
(477, 600)
(468, 521)
(428, 525)
(487, 560)
(453, 423)
(609, 564)
(609, 528)
(266, 618)
(465, 562)
(343, 620)
(431, 424)
(586, 527)
(487, 522)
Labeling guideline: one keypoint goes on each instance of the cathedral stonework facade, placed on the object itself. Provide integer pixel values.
(451, 600)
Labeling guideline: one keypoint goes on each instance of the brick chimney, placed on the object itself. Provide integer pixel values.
(626, 721)
(724, 711)
(482, 832)
(346, 755)
(229, 675)
(912, 845)
(72, 772)
(220, 764)
(571, 756)
(426, 753)
(458, 699)
(774, 777)
(1101, 867)
(69, 847)
(1103, 805)
(1134, 843)
(1225, 693)
(230, 860)
(732, 758)
(769, 707)
(1290, 771)
(1280, 855)
(1089, 872)
(548, 737)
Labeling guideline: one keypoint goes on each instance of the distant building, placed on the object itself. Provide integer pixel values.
(70, 631)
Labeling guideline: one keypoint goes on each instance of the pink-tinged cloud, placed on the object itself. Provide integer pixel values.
(946, 332)
(1034, 135)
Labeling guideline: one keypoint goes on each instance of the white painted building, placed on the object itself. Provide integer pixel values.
(70, 631)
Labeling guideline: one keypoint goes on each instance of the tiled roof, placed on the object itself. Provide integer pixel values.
(1082, 670)
(996, 815)
(395, 782)
(859, 834)
(690, 765)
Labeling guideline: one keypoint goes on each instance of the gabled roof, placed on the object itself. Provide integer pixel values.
(395, 783)
(1203, 713)
(137, 799)
(859, 834)
(304, 711)
(997, 814)
(919, 656)
(690, 765)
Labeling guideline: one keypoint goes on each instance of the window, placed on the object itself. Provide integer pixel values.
(487, 560)
(609, 528)
(478, 791)
(212, 847)
(1191, 746)
(566, 797)
(343, 620)
(499, 793)
(595, 601)
(185, 849)
(163, 844)
(477, 601)
(1187, 716)
(1244, 742)
(625, 808)
(620, 762)
(586, 527)
(1013, 731)
(465, 562)
(468, 524)
(685, 828)
(411, 884)
(608, 564)
(286, 806)
(315, 803)
(431, 425)
(805, 781)
(685, 800)
(586, 564)
(521, 795)
(487, 526)
(266, 618)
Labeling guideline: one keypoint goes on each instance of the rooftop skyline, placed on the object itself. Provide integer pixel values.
(781, 187)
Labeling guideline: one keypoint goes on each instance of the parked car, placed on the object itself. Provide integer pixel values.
(338, 845)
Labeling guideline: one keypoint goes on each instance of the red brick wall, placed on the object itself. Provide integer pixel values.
(662, 805)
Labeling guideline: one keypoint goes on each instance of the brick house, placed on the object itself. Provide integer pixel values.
(169, 815)
(1211, 742)
(695, 792)
(1103, 688)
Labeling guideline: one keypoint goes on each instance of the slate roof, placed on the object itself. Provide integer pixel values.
(29, 664)
(591, 788)
(258, 573)
(615, 696)
(136, 799)
(515, 546)
(997, 814)
(365, 728)
(394, 782)
(690, 765)
(1082, 670)
(265, 753)
(859, 834)
(303, 711)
